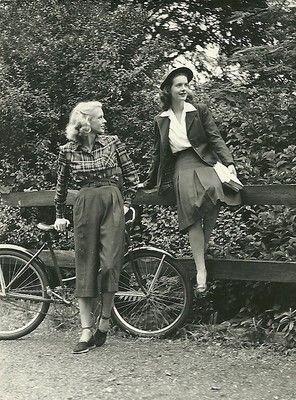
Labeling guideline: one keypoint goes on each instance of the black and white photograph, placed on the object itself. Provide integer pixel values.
(148, 199)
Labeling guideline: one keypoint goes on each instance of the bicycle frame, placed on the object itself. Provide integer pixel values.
(154, 295)
(46, 243)
(54, 295)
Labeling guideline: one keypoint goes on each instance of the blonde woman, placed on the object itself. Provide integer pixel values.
(95, 164)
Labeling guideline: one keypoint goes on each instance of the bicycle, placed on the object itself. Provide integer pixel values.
(154, 297)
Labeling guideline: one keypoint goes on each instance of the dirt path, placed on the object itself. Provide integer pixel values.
(42, 367)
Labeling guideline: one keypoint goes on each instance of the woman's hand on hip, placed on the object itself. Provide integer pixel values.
(231, 169)
(61, 224)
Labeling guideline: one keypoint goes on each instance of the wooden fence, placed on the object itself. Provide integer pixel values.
(234, 269)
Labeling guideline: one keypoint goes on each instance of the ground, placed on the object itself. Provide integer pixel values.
(41, 366)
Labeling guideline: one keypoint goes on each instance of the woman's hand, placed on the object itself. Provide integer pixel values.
(143, 186)
(231, 169)
(61, 224)
(125, 209)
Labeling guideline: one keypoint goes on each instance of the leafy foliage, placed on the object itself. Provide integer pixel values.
(14, 230)
(287, 325)
(198, 23)
(253, 102)
(54, 54)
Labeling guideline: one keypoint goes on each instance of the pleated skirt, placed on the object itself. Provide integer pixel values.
(198, 189)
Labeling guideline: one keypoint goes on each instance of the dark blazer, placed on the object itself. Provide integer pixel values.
(203, 136)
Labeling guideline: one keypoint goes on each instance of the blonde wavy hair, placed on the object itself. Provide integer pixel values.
(79, 120)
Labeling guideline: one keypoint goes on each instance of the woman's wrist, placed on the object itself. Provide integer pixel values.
(60, 216)
(146, 185)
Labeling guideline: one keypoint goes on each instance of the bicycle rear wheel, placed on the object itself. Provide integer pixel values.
(22, 291)
(154, 296)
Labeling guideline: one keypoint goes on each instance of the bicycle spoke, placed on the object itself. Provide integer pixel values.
(157, 274)
(129, 308)
(2, 281)
(24, 282)
(162, 306)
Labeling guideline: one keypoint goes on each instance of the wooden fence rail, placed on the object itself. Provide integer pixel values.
(251, 195)
(231, 269)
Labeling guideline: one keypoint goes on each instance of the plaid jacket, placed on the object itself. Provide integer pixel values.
(78, 166)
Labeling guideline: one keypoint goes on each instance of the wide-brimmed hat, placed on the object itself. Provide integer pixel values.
(176, 71)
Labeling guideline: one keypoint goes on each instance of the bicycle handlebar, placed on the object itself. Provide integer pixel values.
(48, 228)
(45, 227)
(132, 219)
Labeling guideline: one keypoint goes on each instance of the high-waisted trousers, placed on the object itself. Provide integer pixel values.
(98, 217)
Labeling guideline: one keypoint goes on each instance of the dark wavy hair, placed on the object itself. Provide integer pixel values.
(165, 96)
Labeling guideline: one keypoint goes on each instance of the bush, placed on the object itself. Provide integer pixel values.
(55, 54)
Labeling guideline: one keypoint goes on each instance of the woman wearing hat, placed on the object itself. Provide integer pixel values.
(95, 164)
(187, 146)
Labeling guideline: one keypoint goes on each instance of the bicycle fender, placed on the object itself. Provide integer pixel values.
(53, 279)
(151, 248)
(19, 249)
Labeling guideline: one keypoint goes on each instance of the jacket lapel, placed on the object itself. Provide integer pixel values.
(163, 124)
(189, 119)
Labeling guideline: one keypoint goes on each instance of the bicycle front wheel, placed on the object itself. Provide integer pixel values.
(154, 296)
(22, 293)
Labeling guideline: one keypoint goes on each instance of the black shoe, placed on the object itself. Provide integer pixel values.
(99, 338)
(84, 347)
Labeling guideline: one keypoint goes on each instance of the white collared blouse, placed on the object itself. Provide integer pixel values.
(178, 138)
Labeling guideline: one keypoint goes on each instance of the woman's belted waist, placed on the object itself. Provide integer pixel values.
(101, 182)
(107, 177)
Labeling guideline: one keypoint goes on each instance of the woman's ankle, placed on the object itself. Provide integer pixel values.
(201, 278)
(86, 334)
(104, 323)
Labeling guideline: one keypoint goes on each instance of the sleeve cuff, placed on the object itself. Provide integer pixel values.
(58, 215)
(60, 212)
(127, 203)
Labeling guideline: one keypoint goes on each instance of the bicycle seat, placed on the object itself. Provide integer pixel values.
(45, 227)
